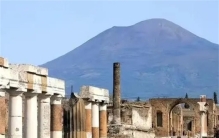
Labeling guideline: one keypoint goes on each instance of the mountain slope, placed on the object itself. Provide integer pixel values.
(158, 58)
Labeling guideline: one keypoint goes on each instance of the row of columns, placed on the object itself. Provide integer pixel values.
(96, 120)
(42, 115)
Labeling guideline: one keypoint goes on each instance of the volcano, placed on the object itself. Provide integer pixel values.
(158, 59)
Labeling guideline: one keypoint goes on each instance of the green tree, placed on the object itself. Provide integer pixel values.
(215, 98)
(138, 99)
(186, 105)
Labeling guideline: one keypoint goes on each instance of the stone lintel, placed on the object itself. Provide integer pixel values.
(30, 78)
(30, 68)
(95, 94)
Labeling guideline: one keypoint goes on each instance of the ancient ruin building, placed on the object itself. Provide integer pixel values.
(32, 105)
(161, 117)
(136, 121)
(171, 118)
(29, 98)
(164, 117)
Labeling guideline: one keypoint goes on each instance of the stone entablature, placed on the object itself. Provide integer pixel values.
(96, 100)
(95, 94)
(28, 77)
(42, 97)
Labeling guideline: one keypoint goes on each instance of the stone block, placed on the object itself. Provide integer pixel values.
(4, 77)
(95, 94)
(30, 68)
(3, 62)
(56, 86)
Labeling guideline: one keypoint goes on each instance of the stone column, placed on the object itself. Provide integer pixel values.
(30, 114)
(44, 114)
(103, 120)
(116, 93)
(56, 116)
(88, 107)
(2, 114)
(15, 114)
(203, 116)
(203, 124)
(95, 120)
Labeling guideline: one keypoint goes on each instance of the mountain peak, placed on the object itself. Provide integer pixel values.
(163, 28)
(155, 54)
(155, 21)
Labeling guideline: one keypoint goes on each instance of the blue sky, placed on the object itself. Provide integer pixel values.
(37, 32)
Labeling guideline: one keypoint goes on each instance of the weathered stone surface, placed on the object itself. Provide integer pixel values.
(3, 115)
(94, 94)
(30, 68)
(56, 117)
(165, 105)
(116, 93)
(3, 62)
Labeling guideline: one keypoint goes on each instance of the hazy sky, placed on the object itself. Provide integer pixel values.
(36, 32)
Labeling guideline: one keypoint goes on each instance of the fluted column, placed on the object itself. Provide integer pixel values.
(103, 120)
(2, 114)
(15, 114)
(44, 113)
(88, 107)
(95, 120)
(56, 116)
(30, 114)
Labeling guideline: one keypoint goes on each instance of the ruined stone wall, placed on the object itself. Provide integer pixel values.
(134, 114)
(136, 119)
(211, 116)
(142, 117)
(176, 121)
(165, 105)
(217, 115)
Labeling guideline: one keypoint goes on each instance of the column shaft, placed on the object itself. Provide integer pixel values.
(2, 114)
(44, 116)
(103, 121)
(30, 122)
(95, 120)
(56, 117)
(15, 115)
(203, 124)
(88, 110)
(116, 94)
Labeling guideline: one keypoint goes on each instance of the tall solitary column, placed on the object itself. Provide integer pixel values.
(30, 114)
(95, 120)
(88, 107)
(44, 113)
(116, 93)
(56, 116)
(2, 114)
(103, 120)
(15, 114)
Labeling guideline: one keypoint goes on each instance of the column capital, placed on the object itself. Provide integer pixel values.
(103, 107)
(2, 92)
(30, 94)
(56, 99)
(17, 91)
(44, 98)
